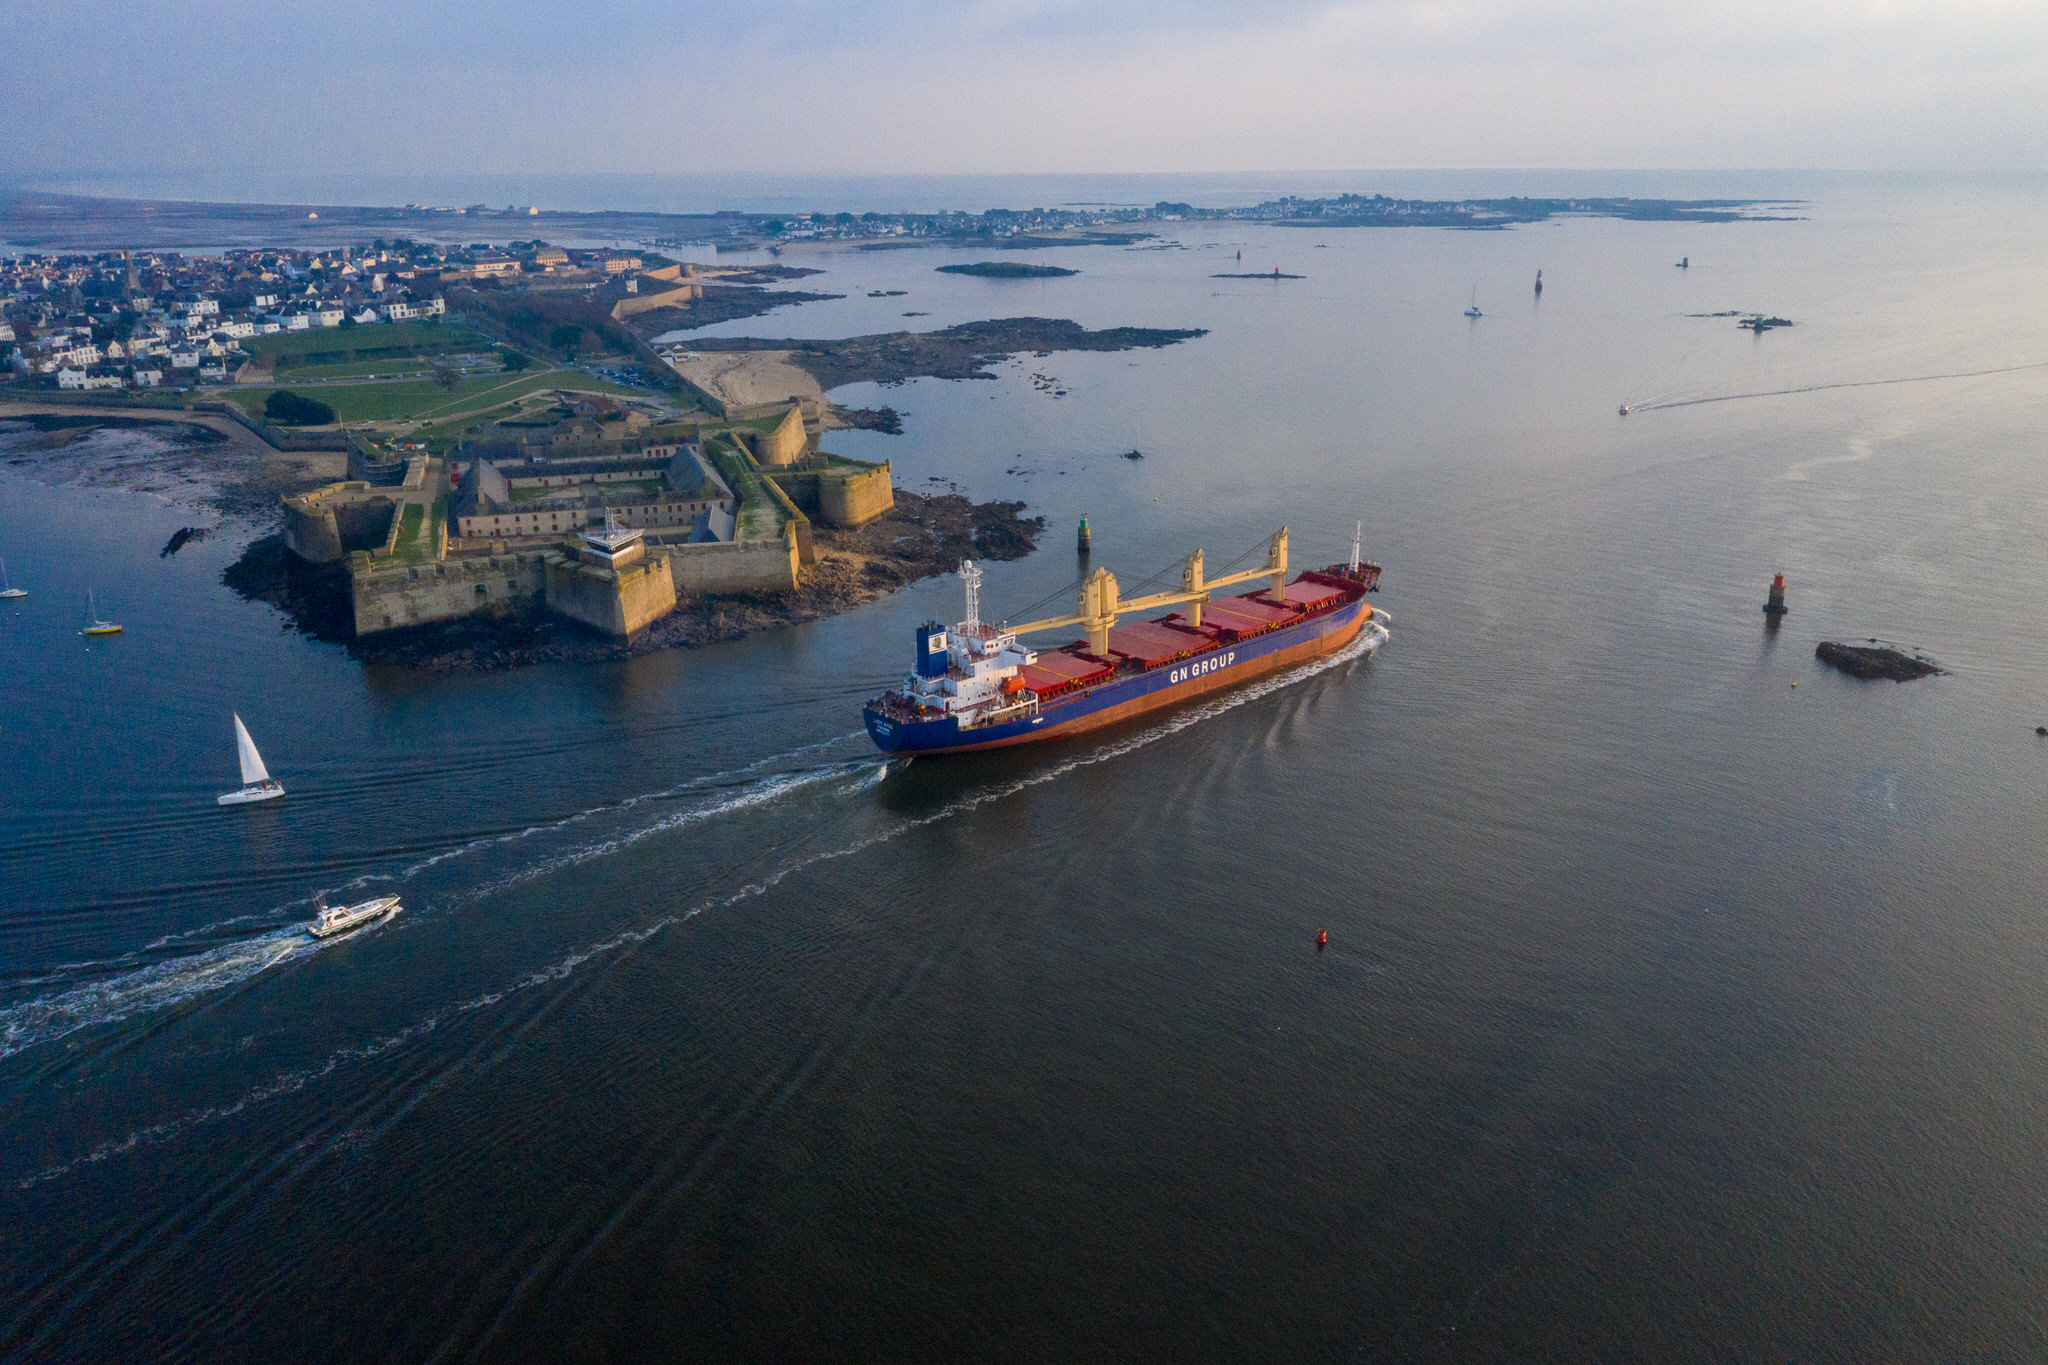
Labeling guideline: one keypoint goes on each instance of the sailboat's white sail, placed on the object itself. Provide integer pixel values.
(253, 770)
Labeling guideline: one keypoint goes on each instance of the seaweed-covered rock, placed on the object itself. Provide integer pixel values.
(1875, 661)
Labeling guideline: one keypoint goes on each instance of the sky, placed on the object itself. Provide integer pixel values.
(924, 86)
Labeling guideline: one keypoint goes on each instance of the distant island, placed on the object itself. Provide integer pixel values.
(41, 221)
(1007, 270)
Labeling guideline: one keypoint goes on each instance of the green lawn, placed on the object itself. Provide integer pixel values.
(419, 531)
(434, 336)
(356, 369)
(407, 544)
(406, 399)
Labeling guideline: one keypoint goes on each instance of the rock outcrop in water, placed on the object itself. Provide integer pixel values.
(1875, 661)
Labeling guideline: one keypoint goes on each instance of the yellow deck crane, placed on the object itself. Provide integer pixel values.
(1097, 606)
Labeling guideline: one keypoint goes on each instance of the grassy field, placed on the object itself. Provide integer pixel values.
(423, 399)
(434, 337)
(419, 531)
(356, 369)
(407, 546)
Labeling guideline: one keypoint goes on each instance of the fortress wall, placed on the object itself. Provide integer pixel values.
(793, 516)
(278, 438)
(311, 533)
(311, 528)
(647, 592)
(386, 599)
(734, 566)
(365, 523)
(800, 486)
(855, 499)
(681, 296)
(618, 602)
(841, 495)
(785, 445)
(384, 471)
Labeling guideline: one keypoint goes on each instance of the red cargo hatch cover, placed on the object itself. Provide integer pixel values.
(1204, 636)
(1055, 671)
(1242, 614)
(1148, 643)
(1311, 594)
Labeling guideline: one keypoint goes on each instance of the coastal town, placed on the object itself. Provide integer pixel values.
(142, 320)
(480, 442)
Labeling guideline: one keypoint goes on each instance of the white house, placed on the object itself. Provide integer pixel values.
(68, 378)
(184, 358)
(266, 300)
(399, 312)
(148, 379)
(6, 331)
(435, 307)
(215, 374)
(327, 314)
(237, 329)
(367, 315)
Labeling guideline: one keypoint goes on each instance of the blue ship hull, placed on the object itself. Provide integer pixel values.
(1120, 698)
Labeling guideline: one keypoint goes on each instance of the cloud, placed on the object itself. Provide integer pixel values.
(1022, 85)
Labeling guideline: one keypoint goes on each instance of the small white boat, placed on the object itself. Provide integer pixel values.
(93, 624)
(8, 592)
(329, 921)
(1473, 311)
(257, 783)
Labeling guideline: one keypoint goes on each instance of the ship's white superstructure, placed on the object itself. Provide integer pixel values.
(980, 681)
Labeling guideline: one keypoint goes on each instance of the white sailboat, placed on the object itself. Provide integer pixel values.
(1473, 311)
(8, 592)
(342, 918)
(257, 783)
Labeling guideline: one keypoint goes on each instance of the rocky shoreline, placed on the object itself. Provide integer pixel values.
(922, 536)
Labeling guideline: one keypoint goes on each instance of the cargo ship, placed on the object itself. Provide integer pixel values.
(978, 686)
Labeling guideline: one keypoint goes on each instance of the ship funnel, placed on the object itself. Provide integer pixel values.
(932, 657)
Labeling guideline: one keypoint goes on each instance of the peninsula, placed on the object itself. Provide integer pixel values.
(966, 351)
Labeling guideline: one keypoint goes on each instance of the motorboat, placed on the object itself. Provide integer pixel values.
(1624, 409)
(257, 783)
(329, 921)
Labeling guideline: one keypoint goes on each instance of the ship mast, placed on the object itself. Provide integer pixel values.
(1358, 534)
(971, 576)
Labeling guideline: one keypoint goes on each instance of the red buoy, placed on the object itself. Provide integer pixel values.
(1322, 938)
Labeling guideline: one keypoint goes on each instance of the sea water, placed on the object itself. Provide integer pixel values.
(1669, 1010)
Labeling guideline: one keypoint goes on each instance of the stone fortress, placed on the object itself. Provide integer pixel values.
(608, 533)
